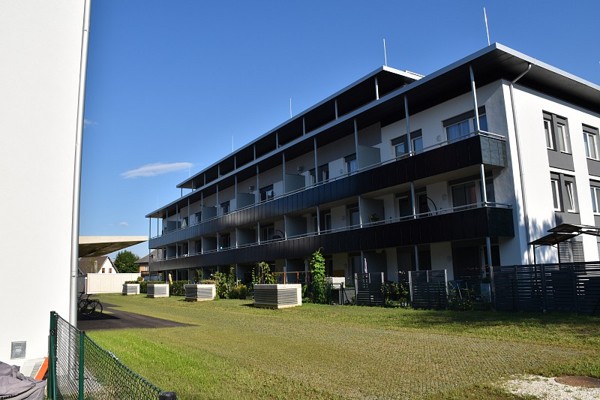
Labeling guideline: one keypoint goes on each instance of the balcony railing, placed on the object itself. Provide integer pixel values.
(343, 176)
(391, 220)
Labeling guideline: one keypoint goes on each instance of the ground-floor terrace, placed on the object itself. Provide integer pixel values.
(463, 260)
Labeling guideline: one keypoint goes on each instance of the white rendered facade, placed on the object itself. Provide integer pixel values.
(43, 46)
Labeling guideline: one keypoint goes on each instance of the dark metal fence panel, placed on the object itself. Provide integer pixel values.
(80, 369)
(369, 289)
(429, 289)
(573, 287)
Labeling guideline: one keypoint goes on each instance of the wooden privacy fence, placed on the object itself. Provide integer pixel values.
(573, 287)
(369, 289)
(428, 289)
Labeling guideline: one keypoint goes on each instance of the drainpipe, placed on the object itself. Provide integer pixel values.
(521, 175)
(77, 167)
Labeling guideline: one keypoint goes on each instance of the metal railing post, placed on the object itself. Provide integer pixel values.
(51, 389)
(81, 364)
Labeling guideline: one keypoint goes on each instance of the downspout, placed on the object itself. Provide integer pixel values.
(77, 165)
(521, 175)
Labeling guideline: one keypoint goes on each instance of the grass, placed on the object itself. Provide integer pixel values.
(233, 351)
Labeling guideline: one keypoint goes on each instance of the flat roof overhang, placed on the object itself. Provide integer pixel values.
(94, 246)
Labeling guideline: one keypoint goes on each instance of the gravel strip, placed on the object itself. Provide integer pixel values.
(548, 389)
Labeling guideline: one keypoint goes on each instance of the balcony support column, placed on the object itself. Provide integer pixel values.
(412, 200)
(417, 267)
(376, 89)
(483, 188)
(257, 185)
(217, 198)
(316, 160)
(408, 139)
(318, 220)
(258, 232)
(283, 171)
(488, 248)
(475, 107)
(356, 143)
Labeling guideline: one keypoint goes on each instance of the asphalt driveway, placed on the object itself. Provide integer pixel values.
(113, 318)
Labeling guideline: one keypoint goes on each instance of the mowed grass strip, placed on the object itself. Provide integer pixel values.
(232, 350)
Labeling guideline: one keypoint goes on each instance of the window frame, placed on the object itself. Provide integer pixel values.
(556, 195)
(595, 193)
(590, 140)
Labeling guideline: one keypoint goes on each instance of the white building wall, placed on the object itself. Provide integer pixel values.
(441, 257)
(536, 170)
(108, 283)
(43, 46)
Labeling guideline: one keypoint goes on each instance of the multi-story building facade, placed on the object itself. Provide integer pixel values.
(456, 170)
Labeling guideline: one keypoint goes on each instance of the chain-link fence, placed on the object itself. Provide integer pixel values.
(80, 369)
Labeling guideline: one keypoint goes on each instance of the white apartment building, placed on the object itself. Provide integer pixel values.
(396, 173)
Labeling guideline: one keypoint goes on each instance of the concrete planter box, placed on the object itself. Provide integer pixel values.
(200, 292)
(131, 289)
(278, 296)
(158, 290)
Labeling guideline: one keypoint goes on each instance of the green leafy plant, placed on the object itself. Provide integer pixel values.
(262, 274)
(320, 291)
(395, 294)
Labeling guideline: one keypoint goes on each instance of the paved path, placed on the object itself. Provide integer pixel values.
(113, 318)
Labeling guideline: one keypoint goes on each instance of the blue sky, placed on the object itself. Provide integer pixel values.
(173, 85)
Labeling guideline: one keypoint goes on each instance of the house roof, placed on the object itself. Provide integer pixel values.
(146, 258)
(93, 246)
(91, 265)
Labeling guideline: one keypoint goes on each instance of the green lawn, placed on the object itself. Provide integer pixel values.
(234, 351)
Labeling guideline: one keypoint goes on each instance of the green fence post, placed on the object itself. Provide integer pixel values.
(51, 389)
(81, 363)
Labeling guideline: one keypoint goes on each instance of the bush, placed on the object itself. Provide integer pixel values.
(238, 292)
(177, 289)
(395, 294)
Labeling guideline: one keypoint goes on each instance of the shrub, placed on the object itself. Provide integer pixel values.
(320, 291)
(262, 274)
(238, 292)
(177, 289)
(395, 294)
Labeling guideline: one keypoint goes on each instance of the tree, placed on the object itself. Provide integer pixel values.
(125, 261)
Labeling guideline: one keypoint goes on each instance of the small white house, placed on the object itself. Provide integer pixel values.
(96, 265)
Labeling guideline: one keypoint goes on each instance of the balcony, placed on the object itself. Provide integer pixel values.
(463, 223)
(488, 149)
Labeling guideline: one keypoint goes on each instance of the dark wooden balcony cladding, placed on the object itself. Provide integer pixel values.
(467, 224)
(471, 151)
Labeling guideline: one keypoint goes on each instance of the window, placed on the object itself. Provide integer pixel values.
(404, 206)
(464, 194)
(571, 196)
(462, 125)
(556, 133)
(325, 220)
(556, 194)
(198, 217)
(225, 207)
(400, 144)
(417, 141)
(266, 193)
(590, 138)
(353, 215)
(225, 240)
(549, 135)
(321, 176)
(469, 192)
(595, 190)
(103, 270)
(351, 163)
(563, 137)
(267, 232)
